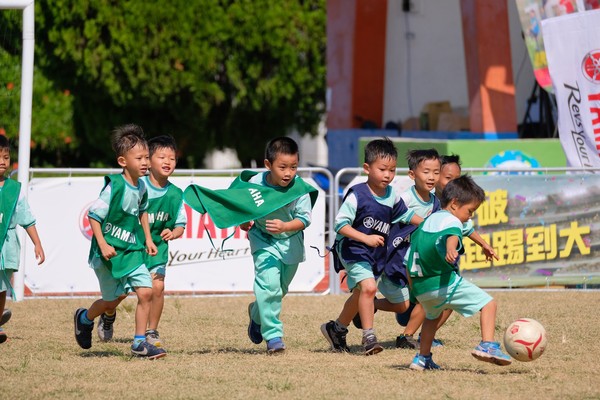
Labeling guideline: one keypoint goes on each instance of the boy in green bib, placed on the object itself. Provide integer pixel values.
(14, 210)
(167, 219)
(119, 222)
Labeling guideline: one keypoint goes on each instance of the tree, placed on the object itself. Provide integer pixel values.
(212, 73)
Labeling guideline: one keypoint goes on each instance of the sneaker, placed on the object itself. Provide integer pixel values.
(147, 350)
(105, 327)
(491, 352)
(153, 338)
(403, 318)
(336, 339)
(6, 314)
(275, 345)
(3, 337)
(356, 320)
(83, 332)
(371, 345)
(435, 343)
(406, 342)
(421, 363)
(253, 328)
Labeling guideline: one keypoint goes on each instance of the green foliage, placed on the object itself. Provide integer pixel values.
(212, 73)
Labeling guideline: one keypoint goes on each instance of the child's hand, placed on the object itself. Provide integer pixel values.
(489, 252)
(39, 254)
(451, 256)
(275, 226)
(107, 251)
(374, 240)
(151, 248)
(246, 226)
(167, 235)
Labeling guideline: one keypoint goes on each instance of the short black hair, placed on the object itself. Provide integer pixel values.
(4, 142)
(416, 157)
(162, 142)
(280, 145)
(450, 159)
(126, 137)
(380, 148)
(462, 189)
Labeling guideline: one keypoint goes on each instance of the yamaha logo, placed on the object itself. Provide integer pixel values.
(591, 66)
(107, 227)
(397, 241)
(368, 222)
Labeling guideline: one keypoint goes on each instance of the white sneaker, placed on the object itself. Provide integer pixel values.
(105, 327)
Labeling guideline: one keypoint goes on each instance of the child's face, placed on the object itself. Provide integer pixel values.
(380, 173)
(449, 171)
(135, 161)
(4, 161)
(426, 175)
(162, 162)
(463, 212)
(283, 169)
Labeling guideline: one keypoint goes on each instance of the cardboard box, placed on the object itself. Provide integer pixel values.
(452, 122)
(433, 111)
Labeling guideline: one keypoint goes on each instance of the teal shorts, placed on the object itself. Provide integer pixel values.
(5, 276)
(392, 292)
(160, 269)
(462, 296)
(357, 272)
(112, 288)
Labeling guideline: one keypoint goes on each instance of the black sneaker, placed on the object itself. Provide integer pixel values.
(371, 345)
(406, 342)
(6, 314)
(3, 337)
(83, 332)
(336, 339)
(147, 350)
(105, 327)
(356, 320)
(253, 328)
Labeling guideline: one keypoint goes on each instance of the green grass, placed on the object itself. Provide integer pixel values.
(211, 357)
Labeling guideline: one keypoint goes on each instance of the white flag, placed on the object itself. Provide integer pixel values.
(572, 45)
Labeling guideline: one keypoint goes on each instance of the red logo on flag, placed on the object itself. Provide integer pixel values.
(591, 66)
(84, 223)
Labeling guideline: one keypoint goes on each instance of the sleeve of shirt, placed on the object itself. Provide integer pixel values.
(347, 212)
(468, 228)
(303, 210)
(99, 209)
(144, 200)
(181, 216)
(401, 212)
(23, 215)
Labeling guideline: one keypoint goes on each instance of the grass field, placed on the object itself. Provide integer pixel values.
(210, 355)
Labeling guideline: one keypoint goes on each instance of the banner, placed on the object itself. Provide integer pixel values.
(194, 267)
(573, 51)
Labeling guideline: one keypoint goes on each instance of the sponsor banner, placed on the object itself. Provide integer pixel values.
(199, 262)
(573, 51)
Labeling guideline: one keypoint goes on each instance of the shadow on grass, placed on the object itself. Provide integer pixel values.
(103, 353)
(478, 371)
(226, 350)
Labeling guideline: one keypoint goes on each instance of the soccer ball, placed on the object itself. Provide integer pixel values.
(525, 339)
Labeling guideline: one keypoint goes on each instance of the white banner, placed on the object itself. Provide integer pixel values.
(195, 267)
(572, 45)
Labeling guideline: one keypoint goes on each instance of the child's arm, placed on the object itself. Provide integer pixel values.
(35, 239)
(106, 249)
(278, 226)
(150, 246)
(416, 220)
(370, 240)
(487, 249)
(451, 252)
(169, 234)
(246, 226)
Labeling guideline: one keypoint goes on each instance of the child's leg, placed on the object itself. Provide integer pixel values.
(386, 305)
(268, 292)
(101, 306)
(366, 298)
(350, 308)
(142, 311)
(427, 335)
(488, 321)
(158, 300)
(2, 301)
(417, 317)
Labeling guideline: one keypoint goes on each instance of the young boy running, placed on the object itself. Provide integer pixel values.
(167, 219)
(14, 210)
(363, 225)
(433, 277)
(121, 238)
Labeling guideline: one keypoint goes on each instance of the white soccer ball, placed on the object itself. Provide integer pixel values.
(525, 339)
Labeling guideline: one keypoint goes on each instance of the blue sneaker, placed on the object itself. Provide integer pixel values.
(147, 350)
(275, 345)
(403, 318)
(421, 363)
(253, 328)
(435, 343)
(491, 352)
(83, 332)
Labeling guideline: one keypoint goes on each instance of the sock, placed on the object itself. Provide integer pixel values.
(339, 326)
(137, 339)
(84, 319)
(110, 314)
(367, 332)
(110, 318)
